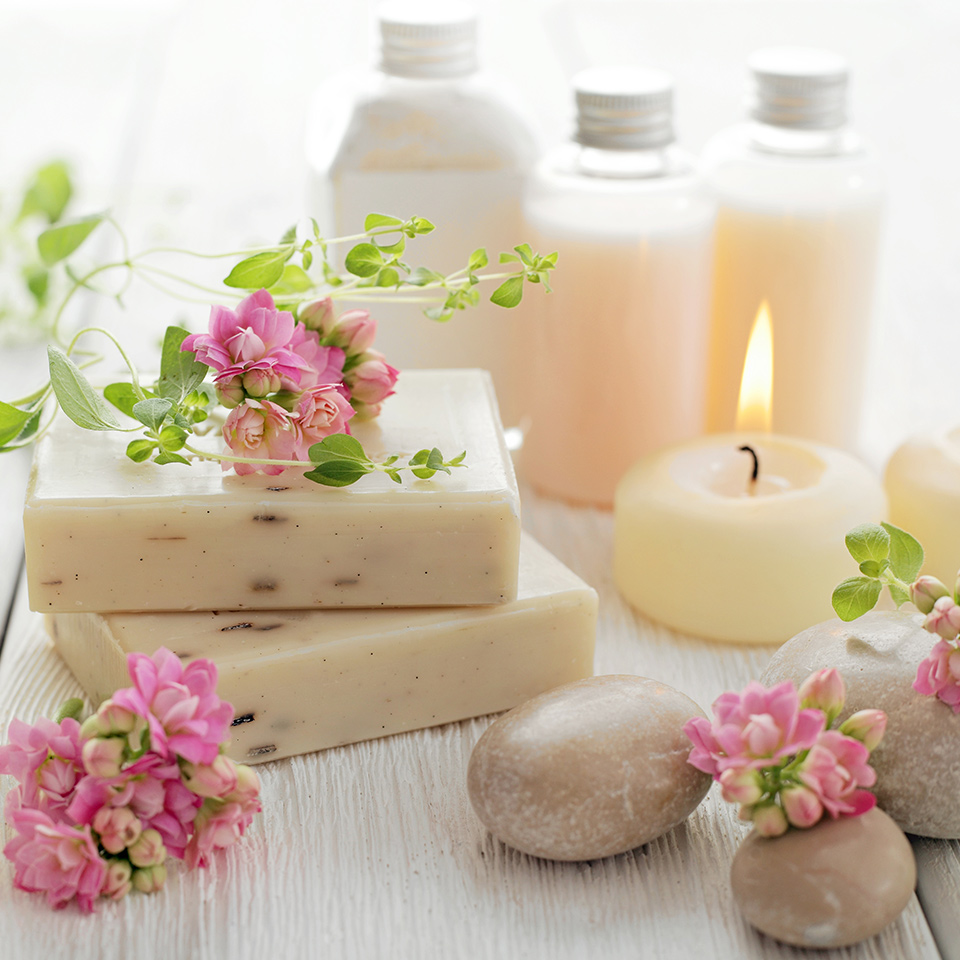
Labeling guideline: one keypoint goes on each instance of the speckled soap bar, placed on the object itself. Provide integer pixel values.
(103, 533)
(305, 680)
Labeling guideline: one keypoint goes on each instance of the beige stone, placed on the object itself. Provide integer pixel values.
(918, 762)
(832, 885)
(590, 769)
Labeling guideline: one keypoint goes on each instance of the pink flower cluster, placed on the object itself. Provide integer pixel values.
(775, 752)
(98, 807)
(290, 383)
(939, 674)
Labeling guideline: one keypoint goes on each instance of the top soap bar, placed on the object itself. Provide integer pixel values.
(103, 533)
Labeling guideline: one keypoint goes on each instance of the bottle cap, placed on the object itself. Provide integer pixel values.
(428, 39)
(624, 108)
(799, 87)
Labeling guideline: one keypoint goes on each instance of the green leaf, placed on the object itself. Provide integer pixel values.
(870, 568)
(152, 412)
(868, 542)
(393, 249)
(509, 258)
(422, 226)
(76, 397)
(457, 460)
(57, 243)
(71, 708)
(289, 235)
(375, 220)
(388, 277)
(855, 596)
(122, 396)
(509, 293)
(180, 371)
(364, 260)
(478, 260)
(340, 446)
(421, 276)
(164, 457)
(307, 259)
(12, 422)
(31, 428)
(140, 450)
(900, 596)
(172, 437)
(906, 554)
(49, 193)
(262, 270)
(293, 280)
(526, 253)
(337, 473)
(440, 314)
(38, 282)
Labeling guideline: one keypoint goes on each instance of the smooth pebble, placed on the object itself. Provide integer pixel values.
(918, 760)
(829, 886)
(587, 770)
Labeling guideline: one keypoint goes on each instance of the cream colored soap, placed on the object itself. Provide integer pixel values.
(306, 680)
(103, 533)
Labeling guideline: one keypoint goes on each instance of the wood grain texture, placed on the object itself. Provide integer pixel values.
(372, 850)
(938, 888)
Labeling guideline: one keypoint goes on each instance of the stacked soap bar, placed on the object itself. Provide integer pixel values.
(119, 554)
(302, 680)
(103, 533)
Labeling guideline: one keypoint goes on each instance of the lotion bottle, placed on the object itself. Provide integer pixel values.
(428, 134)
(617, 352)
(798, 224)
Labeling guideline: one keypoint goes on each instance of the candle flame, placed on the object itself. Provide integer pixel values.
(754, 411)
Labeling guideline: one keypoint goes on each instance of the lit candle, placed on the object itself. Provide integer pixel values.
(740, 537)
(923, 485)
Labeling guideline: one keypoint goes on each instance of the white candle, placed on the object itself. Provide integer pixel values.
(923, 484)
(706, 550)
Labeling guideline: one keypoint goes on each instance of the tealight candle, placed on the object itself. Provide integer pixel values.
(740, 537)
(707, 550)
(923, 484)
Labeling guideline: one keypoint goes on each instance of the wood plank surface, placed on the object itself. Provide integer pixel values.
(372, 850)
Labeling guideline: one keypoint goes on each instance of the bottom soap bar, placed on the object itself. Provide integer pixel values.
(303, 680)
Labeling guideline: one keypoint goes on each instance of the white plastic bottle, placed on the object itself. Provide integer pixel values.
(798, 225)
(617, 353)
(426, 134)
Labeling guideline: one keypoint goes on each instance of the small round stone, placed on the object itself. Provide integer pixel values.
(587, 770)
(918, 760)
(832, 885)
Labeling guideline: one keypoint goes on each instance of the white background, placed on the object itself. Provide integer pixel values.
(190, 116)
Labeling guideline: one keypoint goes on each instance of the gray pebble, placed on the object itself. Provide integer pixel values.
(590, 769)
(918, 761)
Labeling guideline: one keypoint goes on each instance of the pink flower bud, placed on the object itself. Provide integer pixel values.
(102, 756)
(372, 380)
(801, 806)
(248, 785)
(741, 786)
(216, 780)
(118, 828)
(116, 719)
(926, 591)
(230, 393)
(769, 820)
(824, 690)
(355, 331)
(148, 851)
(318, 316)
(867, 726)
(944, 619)
(117, 884)
(150, 879)
(261, 383)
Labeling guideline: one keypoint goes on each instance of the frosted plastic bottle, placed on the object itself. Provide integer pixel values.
(617, 353)
(426, 134)
(798, 224)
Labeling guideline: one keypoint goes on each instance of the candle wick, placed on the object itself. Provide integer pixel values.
(755, 473)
